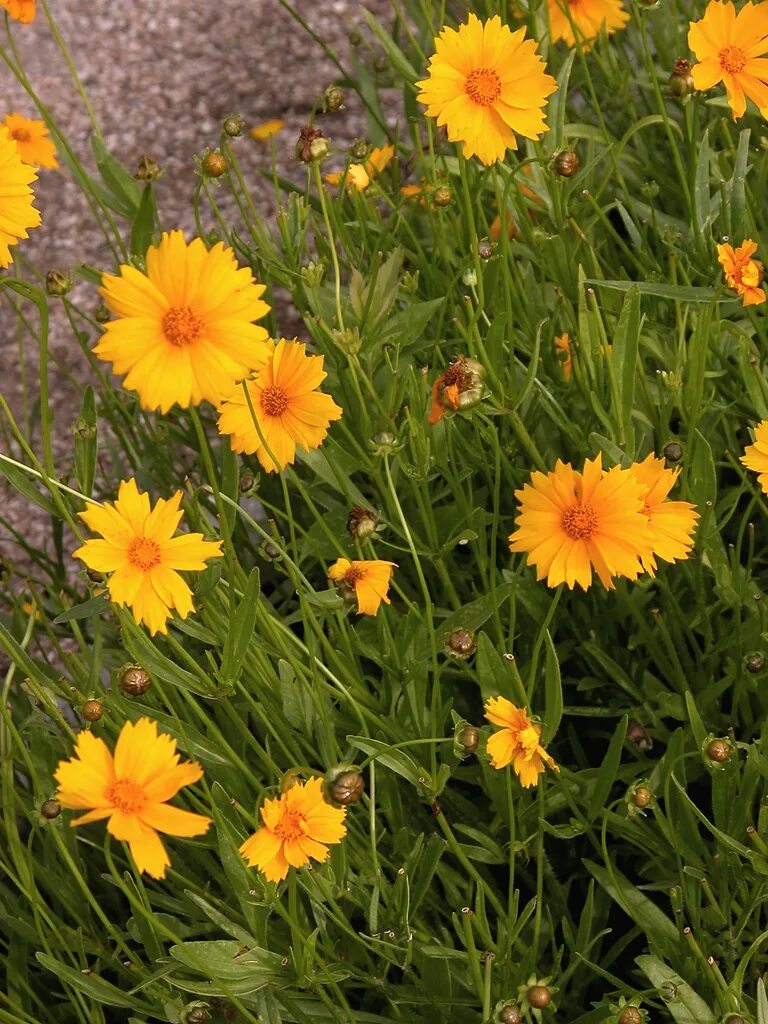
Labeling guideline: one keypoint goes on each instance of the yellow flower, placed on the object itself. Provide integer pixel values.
(289, 409)
(486, 83)
(131, 789)
(267, 130)
(563, 353)
(571, 522)
(517, 743)
(730, 48)
(139, 550)
(368, 580)
(22, 10)
(32, 142)
(589, 16)
(16, 210)
(742, 273)
(671, 522)
(298, 826)
(360, 176)
(755, 455)
(185, 330)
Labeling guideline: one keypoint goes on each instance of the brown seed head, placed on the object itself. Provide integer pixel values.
(539, 996)
(630, 1015)
(135, 681)
(346, 788)
(361, 522)
(92, 710)
(642, 796)
(50, 809)
(460, 643)
(215, 164)
(719, 751)
(312, 145)
(567, 163)
(510, 1014)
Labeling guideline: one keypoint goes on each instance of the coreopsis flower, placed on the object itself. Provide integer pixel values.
(366, 581)
(671, 522)
(299, 826)
(517, 742)
(141, 555)
(563, 353)
(267, 130)
(460, 386)
(572, 522)
(421, 193)
(742, 273)
(132, 789)
(589, 16)
(755, 455)
(21, 10)
(17, 213)
(32, 142)
(731, 49)
(360, 176)
(185, 328)
(287, 406)
(485, 83)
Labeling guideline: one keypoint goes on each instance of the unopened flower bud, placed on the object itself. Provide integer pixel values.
(539, 996)
(384, 443)
(460, 643)
(681, 79)
(359, 149)
(650, 189)
(92, 710)
(57, 283)
(84, 430)
(215, 164)
(348, 340)
(510, 1013)
(134, 680)
(718, 750)
(630, 1015)
(101, 313)
(734, 1018)
(469, 277)
(484, 249)
(566, 163)
(755, 663)
(466, 739)
(313, 273)
(247, 481)
(312, 145)
(673, 452)
(361, 522)
(638, 734)
(442, 196)
(147, 169)
(344, 786)
(642, 797)
(333, 99)
(289, 780)
(234, 125)
(270, 549)
(196, 1014)
(50, 809)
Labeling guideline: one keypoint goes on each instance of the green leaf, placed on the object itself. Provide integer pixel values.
(394, 54)
(20, 482)
(553, 692)
(626, 344)
(558, 104)
(86, 442)
(697, 725)
(396, 760)
(143, 224)
(738, 187)
(677, 292)
(240, 633)
(297, 700)
(702, 200)
(606, 775)
(643, 911)
(473, 615)
(762, 1003)
(93, 606)
(92, 986)
(682, 1002)
(698, 350)
(123, 190)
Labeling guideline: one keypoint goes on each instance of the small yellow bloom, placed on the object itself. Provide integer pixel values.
(289, 409)
(517, 743)
(17, 213)
(143, 557)
(132, 789)
(298, 826)
(563, 353)
(368, 579)
(755, 455)
(267, 130)
(671, 523)
(742, 273)
(360, 176)
(731, 49)
(589, 16)
(32, 142)
(21, 10)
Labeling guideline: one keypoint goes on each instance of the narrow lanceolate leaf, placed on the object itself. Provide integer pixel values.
(685, 1005)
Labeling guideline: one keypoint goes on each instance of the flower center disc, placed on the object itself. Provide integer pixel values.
(289, 827)
(181, 326)
(483, 86)
(353, 575)
(127, 796)
(733, 59)
(144, 553)
(580, 522)
(20, 135)
(274, 400)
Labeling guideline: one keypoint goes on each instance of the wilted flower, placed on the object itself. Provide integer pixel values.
(368, 581)
(517, 742)
(460, 386)
(563, 353)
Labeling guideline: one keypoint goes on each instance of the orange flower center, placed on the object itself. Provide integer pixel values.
(181, 326)
(144, 553)
(274, 400)
(529, 740)
(580, 522)
(20, 135)
(127, 795)
(353, 575)
(483, 86)
(733, 59)
(289, 827)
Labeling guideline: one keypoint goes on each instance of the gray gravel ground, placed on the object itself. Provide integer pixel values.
(161, 77)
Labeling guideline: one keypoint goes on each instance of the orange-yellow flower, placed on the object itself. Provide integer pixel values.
(571, 523)
(742, 273)
(671, 522)
(287, 406)
(563, 353)
(368, 581)
(298, 827)
(755, 455)
(21, 10)
(517, 743)
(17, 213)
(267, 130)
(142, 556)
(32, 142)
(132, 789)
(731, 49)
(589, 17)
(360, 176)
(485, 83)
